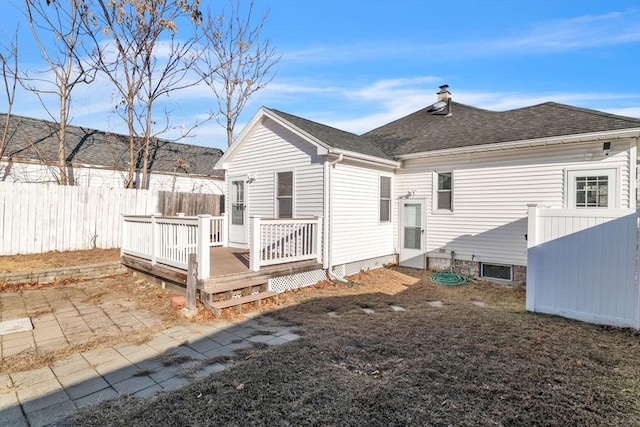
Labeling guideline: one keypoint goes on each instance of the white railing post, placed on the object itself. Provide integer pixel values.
(254, 244)
(317, 234)
(532, 242)
(203, 246)
(224, 230)
(154, 239)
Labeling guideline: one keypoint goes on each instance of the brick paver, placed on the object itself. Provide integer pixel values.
(171, 359)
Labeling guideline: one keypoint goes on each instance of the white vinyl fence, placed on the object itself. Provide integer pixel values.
(37, 218)
(583, 264)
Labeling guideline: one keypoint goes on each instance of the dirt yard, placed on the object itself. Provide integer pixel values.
(15, 263)
(465, 364)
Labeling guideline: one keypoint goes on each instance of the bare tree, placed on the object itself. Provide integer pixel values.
(138, 70)
(61, 23)
(9, 63)
(236, 62)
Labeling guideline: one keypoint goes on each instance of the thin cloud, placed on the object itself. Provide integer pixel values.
(588, 31)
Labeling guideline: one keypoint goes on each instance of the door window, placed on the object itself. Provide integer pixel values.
(237, 202)
(412, 226)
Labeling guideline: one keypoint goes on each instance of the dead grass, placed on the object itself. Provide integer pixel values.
(28, 360)
(459, 365)
(55, 259)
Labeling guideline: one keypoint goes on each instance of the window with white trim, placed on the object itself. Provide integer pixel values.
(591, 188)
(444, 191)
(284, 194)
(385, 199)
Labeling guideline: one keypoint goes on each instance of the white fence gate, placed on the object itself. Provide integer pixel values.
(583, 264)
(37, 218)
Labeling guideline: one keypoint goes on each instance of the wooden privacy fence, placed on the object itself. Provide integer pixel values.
(190, 204)
(583, 264)
(37, 218)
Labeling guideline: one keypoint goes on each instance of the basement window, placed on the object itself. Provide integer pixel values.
(496, 271)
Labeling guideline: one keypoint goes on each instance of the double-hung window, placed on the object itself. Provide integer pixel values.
(385, 199)
(444, 192)
(284, 195)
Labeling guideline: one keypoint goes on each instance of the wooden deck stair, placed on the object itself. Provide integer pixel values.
(235, 290)
(234, 293)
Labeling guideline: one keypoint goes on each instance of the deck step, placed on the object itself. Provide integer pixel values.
(237, 284)
(256, 298)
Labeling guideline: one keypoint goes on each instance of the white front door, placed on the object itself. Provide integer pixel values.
(238, 211)
(412, 235)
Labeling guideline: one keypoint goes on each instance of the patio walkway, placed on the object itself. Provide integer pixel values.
(171, 359)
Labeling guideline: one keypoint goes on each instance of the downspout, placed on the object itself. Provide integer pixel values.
(328, 208)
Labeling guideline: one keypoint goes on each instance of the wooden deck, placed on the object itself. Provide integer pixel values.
(226, 264)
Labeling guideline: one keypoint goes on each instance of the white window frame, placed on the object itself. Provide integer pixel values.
(276, 209)
(380, 198)
(482, 275)
(435, 208)
(613, 179)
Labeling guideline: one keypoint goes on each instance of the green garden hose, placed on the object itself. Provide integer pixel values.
(449, 279)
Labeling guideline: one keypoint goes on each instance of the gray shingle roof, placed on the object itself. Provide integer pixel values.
(469, 126)
(466, 126)
(333, 137)
(35, 139)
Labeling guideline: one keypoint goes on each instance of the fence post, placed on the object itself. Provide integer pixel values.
(203, 246)
(192, 280)
(637, 222)
(532, 242)
(317, 235)
(123, 233)
(254, 243)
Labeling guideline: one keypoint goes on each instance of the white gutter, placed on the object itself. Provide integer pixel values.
(328, 264)
(538, 142)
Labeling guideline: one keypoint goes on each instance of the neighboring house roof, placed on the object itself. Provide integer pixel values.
(333, 137)
(467, 126)
(36, 140)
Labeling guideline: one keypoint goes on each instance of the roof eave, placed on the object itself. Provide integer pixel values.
(366, 158)
(537, 142)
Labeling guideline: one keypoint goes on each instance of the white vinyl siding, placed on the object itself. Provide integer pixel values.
(492, 190)
(357, 233)
(270, 149)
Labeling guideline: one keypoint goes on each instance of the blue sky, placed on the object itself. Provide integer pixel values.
(358, 64)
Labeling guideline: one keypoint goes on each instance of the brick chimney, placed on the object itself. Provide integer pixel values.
(444, 94)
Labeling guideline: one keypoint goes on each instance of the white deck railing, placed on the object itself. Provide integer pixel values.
(170, 240)
(279, 241)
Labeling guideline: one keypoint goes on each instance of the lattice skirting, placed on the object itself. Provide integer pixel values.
(296, 281)
(300, 280)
